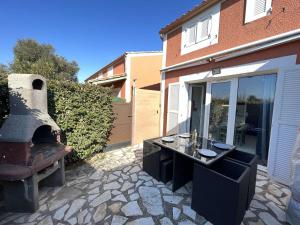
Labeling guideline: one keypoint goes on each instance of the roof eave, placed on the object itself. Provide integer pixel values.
(106, 66)
(108, 80)
(120, 58)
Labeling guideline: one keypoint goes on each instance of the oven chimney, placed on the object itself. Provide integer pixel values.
(28, 108)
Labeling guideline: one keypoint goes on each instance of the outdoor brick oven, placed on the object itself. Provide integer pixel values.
(30, 148)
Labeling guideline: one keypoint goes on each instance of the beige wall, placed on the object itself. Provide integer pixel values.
(146, 69)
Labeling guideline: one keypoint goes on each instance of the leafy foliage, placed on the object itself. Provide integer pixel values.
(84, 113)
(4, 71)
(4, 109)
(33, 57)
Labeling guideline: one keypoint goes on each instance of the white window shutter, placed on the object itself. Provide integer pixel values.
(191, 35)
(203, 29)
(259, 7)
(286, 121)
(256, 9)
(173, 108)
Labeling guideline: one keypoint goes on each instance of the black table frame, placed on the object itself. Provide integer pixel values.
(231, 170)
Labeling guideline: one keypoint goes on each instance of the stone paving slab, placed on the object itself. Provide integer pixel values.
(111, 188)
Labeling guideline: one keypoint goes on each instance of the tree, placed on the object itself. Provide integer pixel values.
(3, 71)
(3, 93)
(33, 57)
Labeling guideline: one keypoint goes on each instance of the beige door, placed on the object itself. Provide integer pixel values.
(121, 132)
(146, 115)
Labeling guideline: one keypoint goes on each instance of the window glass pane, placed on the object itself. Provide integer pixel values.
(197, 108)
(254, 111)
(218, 117)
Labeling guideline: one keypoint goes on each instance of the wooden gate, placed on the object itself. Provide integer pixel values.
(146, 115)
(121, 132)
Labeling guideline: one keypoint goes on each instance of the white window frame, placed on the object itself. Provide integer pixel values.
(249, 10)
(190, 92)
(173, 111)
(213, 14)
(231, 108)
(188, 32)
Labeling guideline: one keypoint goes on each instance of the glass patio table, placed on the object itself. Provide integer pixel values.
(183, 154)
(188, 148)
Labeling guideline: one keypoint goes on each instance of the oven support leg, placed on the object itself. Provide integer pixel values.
(22, 195)
(57, 178)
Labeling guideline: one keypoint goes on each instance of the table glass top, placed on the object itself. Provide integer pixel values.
(190, 148)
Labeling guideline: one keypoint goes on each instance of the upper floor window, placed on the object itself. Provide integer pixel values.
(201, 31)
(198, 32)
(110, 71)
(256, 9)
(100, 75)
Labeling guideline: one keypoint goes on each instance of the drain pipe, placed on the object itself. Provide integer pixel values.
(133, 113)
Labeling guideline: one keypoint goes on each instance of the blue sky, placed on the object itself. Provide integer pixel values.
(91, 32)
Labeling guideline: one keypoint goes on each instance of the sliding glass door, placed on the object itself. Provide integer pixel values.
(197, 108)
(219, 108)
(237, 111)
(254, 109)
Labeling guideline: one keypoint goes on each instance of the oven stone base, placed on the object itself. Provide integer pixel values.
(23, 195)
(57, 178)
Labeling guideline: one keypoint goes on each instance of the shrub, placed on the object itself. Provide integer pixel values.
(4, 109)
(83, 112)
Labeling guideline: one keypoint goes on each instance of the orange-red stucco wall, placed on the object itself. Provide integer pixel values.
(233, 31)
(119, 67)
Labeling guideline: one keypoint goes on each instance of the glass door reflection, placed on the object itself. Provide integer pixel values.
(254, 111)
(197, 108)
(219, 107)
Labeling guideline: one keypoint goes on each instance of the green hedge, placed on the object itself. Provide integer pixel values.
(3, 100)
(83, 112)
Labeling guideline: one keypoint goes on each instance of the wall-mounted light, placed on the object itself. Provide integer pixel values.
(216, 71)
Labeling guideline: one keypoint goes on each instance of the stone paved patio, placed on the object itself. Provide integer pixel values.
(111, 189)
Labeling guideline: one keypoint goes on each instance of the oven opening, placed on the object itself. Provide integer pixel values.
(43, 135)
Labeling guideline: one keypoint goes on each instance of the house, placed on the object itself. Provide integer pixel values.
(141, 69)
(135, 77)
(231, 71)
